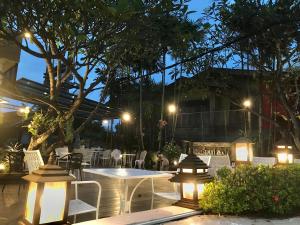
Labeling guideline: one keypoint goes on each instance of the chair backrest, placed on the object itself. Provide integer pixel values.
(33, 160)
(266, 161)
(205, 158)
(86, 153)
(75, 160)
(106, 153)
(143, 155)
(116, 154)
(181, 157)
(297, 161)
(218, 162)
(61, 151)
(15, 161)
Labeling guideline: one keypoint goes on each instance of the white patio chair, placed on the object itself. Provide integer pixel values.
(217, 162)
(33, 160)
(266, 161)
(61, 155)
(78, 206)
(205, 158)
(116, 157)
(87, 157)
(105, 157)
(141, 161)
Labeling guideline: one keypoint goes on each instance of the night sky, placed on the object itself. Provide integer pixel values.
(33, 68)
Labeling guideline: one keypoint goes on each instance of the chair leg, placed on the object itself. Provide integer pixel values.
(3, 187)
(80, 174)
(19, 189)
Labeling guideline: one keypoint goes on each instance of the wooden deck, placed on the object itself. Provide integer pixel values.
(12, 204)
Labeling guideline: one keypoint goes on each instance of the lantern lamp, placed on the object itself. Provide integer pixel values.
(48, 196)
(192, 176)
(243, 150)
(284, 152)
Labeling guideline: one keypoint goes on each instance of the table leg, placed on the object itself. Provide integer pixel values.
(152, 189)
(123, 197)
(132, 193)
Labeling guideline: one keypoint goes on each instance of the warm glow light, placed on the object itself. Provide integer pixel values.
(281, 146)
(247, 103)
(175, 163)
(290, 158)
(172, 108)
(187, 170)
(53, 202)
(241, 152)
(2, 166)
(188, 190)
(126, 117)
(282, 157)
(29, 210)
(27, 34)
(200, 170)
(25, 110)
(105, 122)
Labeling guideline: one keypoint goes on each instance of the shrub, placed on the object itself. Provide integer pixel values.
(254, 190)
(172, 151)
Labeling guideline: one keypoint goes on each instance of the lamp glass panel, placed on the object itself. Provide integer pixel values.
(187, 170)
(200, 170)
(53, 202)
(188, 190)
(31, 197)
(290, 158)
(241, 151)
(282, 157)
(200, 188)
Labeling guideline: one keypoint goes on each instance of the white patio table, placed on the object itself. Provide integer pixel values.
(125, 174)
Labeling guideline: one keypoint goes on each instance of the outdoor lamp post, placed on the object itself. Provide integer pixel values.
(192, 176)
(48, 196)
(284, 152)
(243, 150)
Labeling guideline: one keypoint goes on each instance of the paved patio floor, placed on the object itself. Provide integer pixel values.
(233, 220)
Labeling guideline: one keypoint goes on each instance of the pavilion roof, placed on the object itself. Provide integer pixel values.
(26, 87)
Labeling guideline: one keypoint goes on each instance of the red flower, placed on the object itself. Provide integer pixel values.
(275, 198)
(162, 123)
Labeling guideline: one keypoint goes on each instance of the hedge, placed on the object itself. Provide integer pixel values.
(254, 190)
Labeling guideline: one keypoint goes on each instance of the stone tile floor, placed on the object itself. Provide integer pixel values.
(233, 220)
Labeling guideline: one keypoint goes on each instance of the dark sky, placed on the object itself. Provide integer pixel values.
(33, 68)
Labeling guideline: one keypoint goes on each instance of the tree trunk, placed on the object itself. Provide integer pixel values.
(141, 114)
(160, 142)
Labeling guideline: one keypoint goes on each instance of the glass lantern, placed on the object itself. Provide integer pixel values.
(243, 150)
(48, 196)
(284, 152)
(192, 176)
